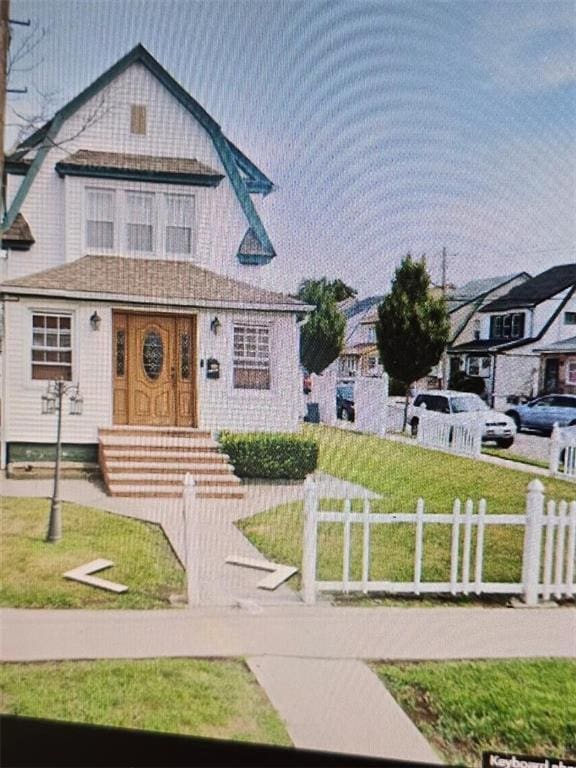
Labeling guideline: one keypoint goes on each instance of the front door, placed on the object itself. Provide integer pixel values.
(551, 374)
(154, 382)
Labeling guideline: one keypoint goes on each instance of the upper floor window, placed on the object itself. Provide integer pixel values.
(251, 357)
(509, 326)
(138, 119)
(179, 223)
(100, 204)
(139, 222)
(569, 318)
(51, 346)
(126, 221)
(371, 334)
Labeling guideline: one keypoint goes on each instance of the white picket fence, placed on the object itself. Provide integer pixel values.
(547, 567)
(563, 453)
(455, 433)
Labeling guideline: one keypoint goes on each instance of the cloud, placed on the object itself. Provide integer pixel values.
(528, 46)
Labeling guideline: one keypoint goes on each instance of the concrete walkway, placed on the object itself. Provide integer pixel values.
(358, 714)
(221, 583)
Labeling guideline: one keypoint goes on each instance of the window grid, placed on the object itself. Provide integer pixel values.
(51, 346)
(251, 358)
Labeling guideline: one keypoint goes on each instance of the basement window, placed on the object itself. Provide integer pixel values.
(51, 347)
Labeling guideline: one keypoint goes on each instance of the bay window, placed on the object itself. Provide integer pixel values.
(139, 222)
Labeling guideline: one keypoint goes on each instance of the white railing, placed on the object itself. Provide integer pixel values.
(455, 433)
(563, 452)
(547, 568)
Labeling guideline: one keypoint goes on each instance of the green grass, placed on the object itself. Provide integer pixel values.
(503, 453)
(401, 473)
(464, 708)
(213, 699)
(31, 569)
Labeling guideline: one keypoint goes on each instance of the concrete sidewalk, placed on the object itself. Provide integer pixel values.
(341, 706)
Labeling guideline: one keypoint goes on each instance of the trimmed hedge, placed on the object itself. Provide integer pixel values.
(269, 455)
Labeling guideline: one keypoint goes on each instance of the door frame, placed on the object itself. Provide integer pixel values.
(120, 383)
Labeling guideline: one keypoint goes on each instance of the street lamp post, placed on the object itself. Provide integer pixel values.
(52, 403)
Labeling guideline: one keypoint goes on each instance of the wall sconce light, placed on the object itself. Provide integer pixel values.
(215, 325)
(95, 321)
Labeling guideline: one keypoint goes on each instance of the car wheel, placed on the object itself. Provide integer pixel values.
(506, 443)
(414, 427)
(345, 415)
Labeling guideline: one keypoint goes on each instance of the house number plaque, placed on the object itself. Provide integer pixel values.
(212, 368)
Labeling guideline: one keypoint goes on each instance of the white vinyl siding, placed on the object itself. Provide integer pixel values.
(100, 204)
(251, 357)
(51, 346)
(179, 223)
(139, 222)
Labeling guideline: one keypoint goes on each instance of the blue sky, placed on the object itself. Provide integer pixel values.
(388, 127)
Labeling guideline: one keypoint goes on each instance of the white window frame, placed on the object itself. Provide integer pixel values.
(114, 221)
(47, 348)
(569, 318)
(160, 195)
(248, 361)
(127, 193)
(484, 370)
(570, 371)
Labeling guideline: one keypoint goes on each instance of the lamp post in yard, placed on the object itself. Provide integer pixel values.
(52, 403)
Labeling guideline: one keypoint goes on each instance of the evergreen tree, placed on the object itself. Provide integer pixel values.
(322, 337)
(413, 327)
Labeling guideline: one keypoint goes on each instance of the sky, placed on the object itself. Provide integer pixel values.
(388, 127)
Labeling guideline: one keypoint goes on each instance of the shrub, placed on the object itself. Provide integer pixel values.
(274, 456)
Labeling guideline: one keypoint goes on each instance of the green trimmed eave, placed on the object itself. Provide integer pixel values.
(253, 259)
(256, 181)
(230, 161)
(188, 179)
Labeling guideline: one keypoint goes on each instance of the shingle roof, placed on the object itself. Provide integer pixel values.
(359, 349)
(86, 158)
(251, 246)
(18, 235)
(536, 290)
(565, 346)
(151, 280)
(353, 306)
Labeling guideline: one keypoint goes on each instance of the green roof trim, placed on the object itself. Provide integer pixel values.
(231, 157)
(161, 177)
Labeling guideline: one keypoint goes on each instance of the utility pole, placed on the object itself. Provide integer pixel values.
(4, 45)
(444, 265)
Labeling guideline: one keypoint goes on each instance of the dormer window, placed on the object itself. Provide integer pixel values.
(507, 326)
(138, 119)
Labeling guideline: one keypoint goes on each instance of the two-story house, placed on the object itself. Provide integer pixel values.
(135, 249)
(514, 328)
(359, 356)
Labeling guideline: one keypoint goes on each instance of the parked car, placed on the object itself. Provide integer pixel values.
(541, 414)
(497, 427)
(345, 402)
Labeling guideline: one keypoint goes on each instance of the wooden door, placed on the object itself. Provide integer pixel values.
(155, 370)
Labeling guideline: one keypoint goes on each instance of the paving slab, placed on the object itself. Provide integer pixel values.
(339, 706)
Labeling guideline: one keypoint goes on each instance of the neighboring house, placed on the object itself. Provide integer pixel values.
(513, 328)
(135, 249)
(558, 363)
(360, 353)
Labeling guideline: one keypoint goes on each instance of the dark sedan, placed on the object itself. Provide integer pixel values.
(345, 402)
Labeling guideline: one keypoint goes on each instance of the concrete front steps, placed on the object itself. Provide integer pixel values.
(153, 462)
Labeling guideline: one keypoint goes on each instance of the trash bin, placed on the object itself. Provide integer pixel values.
(312, 413)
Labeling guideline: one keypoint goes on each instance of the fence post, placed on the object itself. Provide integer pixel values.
(555, 450)
(191, 542)
(532, 542)
(309, 549)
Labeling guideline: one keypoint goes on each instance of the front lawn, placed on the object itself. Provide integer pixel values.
(31, 569)
(401, 473)
(213, 699)
(465, 708)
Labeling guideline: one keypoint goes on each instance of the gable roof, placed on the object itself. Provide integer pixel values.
(536, 290)
(565, 346)
(352, 306)
(135, 280)
(475, 289)
(232, 159)
(19, 237)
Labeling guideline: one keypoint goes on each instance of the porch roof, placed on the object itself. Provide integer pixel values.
(179, 283)
(564, 347)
